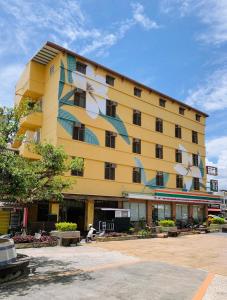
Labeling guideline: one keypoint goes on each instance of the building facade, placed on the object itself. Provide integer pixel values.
(142, 150)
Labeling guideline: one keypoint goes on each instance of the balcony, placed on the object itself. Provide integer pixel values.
(26, 152)
(31, 82)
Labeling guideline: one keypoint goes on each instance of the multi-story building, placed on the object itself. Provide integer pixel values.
(142, 150)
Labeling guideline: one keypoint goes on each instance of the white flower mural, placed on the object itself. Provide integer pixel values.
(96, 88)
(187, 170)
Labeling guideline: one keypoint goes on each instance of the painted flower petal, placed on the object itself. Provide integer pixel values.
(79, 81)
(188, 182)
(92, 108)
(195, 171)
(186, 158)
(180, 169)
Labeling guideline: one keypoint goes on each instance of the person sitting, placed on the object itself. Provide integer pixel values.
(91, 233)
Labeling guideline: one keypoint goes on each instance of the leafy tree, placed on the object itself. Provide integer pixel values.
(26, 181)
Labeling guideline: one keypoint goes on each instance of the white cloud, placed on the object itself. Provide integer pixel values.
(8, 77)
(211, 13)
(141, 18)
(217, 156)
(211, 94)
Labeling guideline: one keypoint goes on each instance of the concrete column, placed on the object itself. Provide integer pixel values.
(89, 213)
(206, 213)
(149, 208)
(173, 211)
(54, 209)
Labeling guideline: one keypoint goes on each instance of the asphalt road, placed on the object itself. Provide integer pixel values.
(108, 271)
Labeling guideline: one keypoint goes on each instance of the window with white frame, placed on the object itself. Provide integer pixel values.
(137, 210)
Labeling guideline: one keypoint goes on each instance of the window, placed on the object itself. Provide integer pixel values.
(80, 67)
(136, 117)
(162, 102)
(137, 92)
(197, 117)
(136, 175)
(80, 172)
(137, 210)
(159, 125)
(159, 179)
(214, 185)
(195, 137)
(196, 183)
(110, 171)
(78, 131)
(181, 212)
(178, 156)
(179, 181)
(178, 131)
(159, 151)
(37, 136)
(136, 146)
(111, 108)
(161, 212)
(181, 110)
(195, 160)
(110, 139)
(110, 80)
(80, 98)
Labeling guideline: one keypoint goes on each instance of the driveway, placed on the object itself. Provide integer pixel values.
(190, 267)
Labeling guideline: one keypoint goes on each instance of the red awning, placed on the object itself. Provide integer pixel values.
(214, 209)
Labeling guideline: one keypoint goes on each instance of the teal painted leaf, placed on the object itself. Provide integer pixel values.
(201, 167)
(71, 66)
(118, 124)
(62, 80)
(90, 137)
(166, 178)
(66, 98)
(67, 120)
(151, 184)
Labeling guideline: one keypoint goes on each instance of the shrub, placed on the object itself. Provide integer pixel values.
(218, 220)
(166, 223)
(66, 226)
(144, 233)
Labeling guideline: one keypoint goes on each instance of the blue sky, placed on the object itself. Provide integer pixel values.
(176, 46)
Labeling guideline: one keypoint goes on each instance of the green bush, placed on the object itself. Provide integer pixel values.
(218, 220)
(166, 223)
(66, 226)
(144, 233)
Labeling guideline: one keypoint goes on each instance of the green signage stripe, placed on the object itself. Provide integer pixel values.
(187, 196)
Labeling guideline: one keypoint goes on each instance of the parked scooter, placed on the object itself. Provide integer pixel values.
(91, 234)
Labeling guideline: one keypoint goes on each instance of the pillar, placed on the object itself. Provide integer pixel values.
(174, 211)
(54, 209)
(206, 213)
(89, 213)
(149, 208)
(190, 212)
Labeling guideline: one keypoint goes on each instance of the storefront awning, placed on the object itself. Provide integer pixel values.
(176, 196)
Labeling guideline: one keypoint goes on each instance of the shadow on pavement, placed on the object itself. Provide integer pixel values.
(43, 272)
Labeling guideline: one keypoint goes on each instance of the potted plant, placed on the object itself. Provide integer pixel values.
(66, 231)
(167, 225)
(217, 223)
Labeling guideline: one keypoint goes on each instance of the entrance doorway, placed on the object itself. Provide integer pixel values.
(73, 211)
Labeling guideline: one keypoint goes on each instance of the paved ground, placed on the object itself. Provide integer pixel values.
(190, 267)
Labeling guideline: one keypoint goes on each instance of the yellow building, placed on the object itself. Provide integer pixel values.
(142, 150)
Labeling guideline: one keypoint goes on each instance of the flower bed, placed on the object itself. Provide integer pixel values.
(30, 241)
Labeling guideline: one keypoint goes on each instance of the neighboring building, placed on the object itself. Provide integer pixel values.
(142, 150)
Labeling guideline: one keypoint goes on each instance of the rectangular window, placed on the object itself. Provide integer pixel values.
(159, 151)
(214, 185)
(136, 117)
(195, 137)
(195, 160)
(162, 102)
(161, 212)
(136, 146)
(179, 181)
(182, 212)
(110, 80)
(196, 183)
(137, 210)
(197, 117)
(78, 131)
(78, 172)
(177, 131)
(178, 156)
(80, 98)
(136, 175)
(111, 108)
(110, 171)
(181, 110)
(110, 139)
(159, 179)
(137, 92)
(80, 67)
(159, 125)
